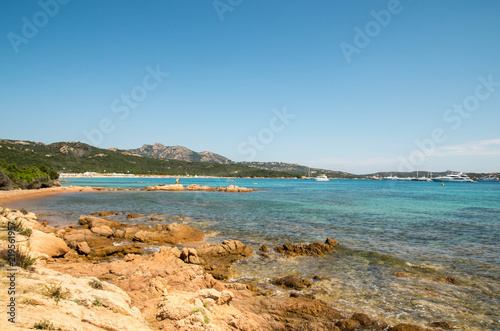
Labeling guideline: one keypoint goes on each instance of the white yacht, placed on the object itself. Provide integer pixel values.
(321, 178)
(458, 177)
(490, 178)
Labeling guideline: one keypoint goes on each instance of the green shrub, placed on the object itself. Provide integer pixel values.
(5, 181)
(97, 303)
(95, 284)
(206, 319)
(12, 176)
(18, 227)
(43, 325)
(56, 292)
(23, 258)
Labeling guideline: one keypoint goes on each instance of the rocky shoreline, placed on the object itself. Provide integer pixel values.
(96, 275)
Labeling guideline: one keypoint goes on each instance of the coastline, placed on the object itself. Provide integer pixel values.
(15, 195)
(404, 275)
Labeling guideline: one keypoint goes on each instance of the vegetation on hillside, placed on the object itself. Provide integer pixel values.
(12, 176)
(79, 157)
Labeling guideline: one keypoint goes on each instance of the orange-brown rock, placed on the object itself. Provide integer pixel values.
(173, 233)
(217, 258)
(291, 250)
(264, 249)
(196, 187)
(407, 327)
(120, 250)
(348, 325)
(49, 244)
(83, 248)
(92, 221)
(441, 324)
(368, 323)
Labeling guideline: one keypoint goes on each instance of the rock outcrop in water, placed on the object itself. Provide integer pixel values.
(97, 237)
(291, 250)
(196, 187)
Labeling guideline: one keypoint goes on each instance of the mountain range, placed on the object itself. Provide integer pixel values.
(180, 153)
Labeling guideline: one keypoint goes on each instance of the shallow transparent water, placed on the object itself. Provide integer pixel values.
(422, 228)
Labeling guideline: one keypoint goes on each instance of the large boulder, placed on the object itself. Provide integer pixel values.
(48, 244)
(291, 250)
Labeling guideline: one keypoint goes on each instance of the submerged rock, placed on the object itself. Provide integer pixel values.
(104, 213)
(442, 325)
(293, 282)
(450, 280)
(291, 250)
(407, 327)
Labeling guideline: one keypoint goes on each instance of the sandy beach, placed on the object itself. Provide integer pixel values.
(14, 195)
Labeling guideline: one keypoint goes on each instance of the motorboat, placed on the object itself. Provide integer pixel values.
(321, 178)
(421, 179)
(490, 178)
(456, 177)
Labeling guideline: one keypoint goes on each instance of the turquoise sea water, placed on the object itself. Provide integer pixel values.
(424, 229)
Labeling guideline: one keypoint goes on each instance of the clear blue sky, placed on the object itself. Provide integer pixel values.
(360, 101)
